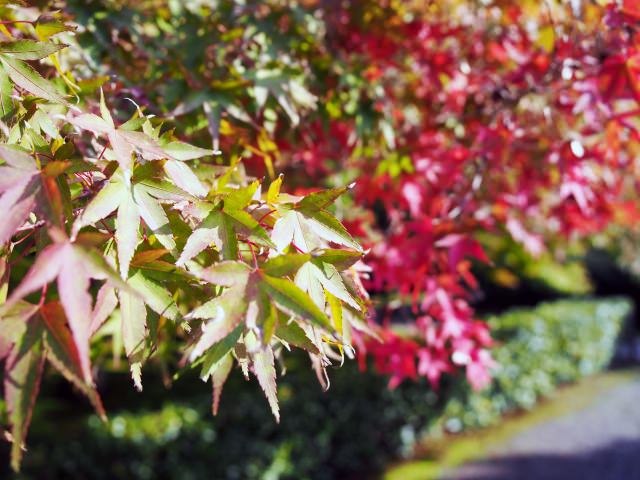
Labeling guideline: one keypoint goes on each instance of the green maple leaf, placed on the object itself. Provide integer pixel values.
(142, 292)
(307, 225)
(133, 203)
(223, 224)
(12, 56)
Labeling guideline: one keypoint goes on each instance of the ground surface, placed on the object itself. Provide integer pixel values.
(601, 442)
(590, 431)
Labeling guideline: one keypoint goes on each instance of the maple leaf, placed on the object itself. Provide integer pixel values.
(22, 375)
(24, 76)
(123, 142)
(73, 265)
(245, 305)
(177, 153)
(19, 186)
(316, 277)
(222, 224)
(27, 49)
(133, 202)
(62, 352)
(177, 170)
(29, 334)
(307, 224)
(141, 293)
(262, 365)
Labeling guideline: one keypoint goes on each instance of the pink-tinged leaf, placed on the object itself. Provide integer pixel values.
(19, 180)
(225, 313)
(62, 352)
(106, 302)
(22, 374)
(44, 270)
(144, 144)
(16, 204)
(11, 177)
(91, 122)
(127, 225)
(262, 361)
(183, 177)
(97, 267)
(104, 111)
(218, 378)
(226, 274)
(122, 150)
(73, 289)
(17, 158)
(199, 240)
(27, 78)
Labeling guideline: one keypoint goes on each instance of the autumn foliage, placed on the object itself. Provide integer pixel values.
(425, 123)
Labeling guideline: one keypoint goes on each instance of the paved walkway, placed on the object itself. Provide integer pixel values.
(600, 442)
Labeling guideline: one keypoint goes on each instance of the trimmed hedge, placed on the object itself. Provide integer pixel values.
(539, 349)
(352, 431)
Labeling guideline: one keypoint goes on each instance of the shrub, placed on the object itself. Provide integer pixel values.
(348, 433)
(538, 350)
(445, 120)
(453, 118)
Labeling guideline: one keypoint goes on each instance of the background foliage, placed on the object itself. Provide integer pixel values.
(169, 434)
(465, 132)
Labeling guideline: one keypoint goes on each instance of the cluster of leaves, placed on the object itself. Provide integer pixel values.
(501, 117)
(453, 118)
(169, 434)
(121, 237)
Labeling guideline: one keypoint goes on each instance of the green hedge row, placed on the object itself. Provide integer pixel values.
(352, 431)
(538, 350)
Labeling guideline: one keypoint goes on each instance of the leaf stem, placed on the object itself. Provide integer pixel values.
(266, 215)
(253, 253)
(11, 22)
(43, 295)
(103, 150)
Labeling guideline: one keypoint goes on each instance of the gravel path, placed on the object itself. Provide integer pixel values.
(601, 442)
